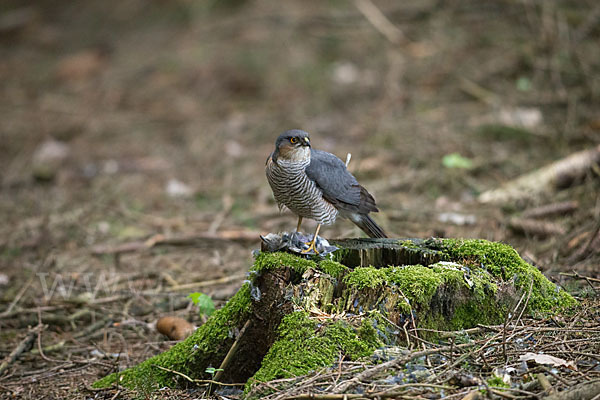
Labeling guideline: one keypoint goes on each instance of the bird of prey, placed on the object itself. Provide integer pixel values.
(315, 184)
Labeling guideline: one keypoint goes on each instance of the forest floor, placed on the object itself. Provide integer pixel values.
(133, 137)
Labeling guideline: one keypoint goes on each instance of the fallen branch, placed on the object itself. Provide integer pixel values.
(557, 175)
(553, 209)
(584, 391)
(190, 240)
(532, 227)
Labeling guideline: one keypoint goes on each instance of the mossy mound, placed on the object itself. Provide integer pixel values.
(504, 264)
(306, 313)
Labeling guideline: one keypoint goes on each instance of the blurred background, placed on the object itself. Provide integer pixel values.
(124, 120)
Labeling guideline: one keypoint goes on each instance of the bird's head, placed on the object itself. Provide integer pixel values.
(293, 146)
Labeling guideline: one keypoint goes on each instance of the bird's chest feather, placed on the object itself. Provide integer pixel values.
(295, 190)
(289, 181)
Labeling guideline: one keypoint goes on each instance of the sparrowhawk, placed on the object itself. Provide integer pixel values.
(315, 184)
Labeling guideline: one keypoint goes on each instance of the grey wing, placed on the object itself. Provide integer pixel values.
(339, 186)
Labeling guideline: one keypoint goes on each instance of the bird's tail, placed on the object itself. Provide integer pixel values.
(366, 223)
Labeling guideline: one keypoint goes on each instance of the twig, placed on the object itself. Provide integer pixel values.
(526, 302)
(201, 381)
(212, 282)
(480, 93)
(392, 363)
(380, 21)
(412, 317)
(24, 346)
(17, 298)
(502, 394)
(577, 275)
(116, 395)
(232, 351)
(391, 392)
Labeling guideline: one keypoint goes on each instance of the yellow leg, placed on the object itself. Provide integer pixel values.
(299, 223)
(313, 242)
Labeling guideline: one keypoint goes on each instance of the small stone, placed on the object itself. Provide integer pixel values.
(457, 218)
(177, 188)
(48, 158)
(103, 227)
(345, 73)
(524, 117)
(110, 167)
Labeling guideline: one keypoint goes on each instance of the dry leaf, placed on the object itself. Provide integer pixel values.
(548, 360)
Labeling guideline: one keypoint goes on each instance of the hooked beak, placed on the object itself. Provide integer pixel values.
(306, 142)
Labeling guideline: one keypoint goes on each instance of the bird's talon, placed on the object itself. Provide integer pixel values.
(311, 246)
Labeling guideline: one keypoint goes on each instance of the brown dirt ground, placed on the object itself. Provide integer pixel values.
(143, 93)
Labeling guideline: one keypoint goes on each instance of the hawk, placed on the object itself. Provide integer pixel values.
(315, 184)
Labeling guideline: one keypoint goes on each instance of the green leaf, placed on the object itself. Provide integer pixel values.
(205, 304)
(455, 160)
(195, 297)
(524, 84)
(212, 371)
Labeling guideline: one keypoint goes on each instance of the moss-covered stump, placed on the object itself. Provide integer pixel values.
(303, 314)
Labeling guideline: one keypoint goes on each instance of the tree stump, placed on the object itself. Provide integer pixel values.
(297, 314)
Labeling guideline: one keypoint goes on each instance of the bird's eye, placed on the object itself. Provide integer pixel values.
(294, 140)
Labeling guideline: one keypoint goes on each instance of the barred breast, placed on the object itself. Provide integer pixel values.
(292, 188)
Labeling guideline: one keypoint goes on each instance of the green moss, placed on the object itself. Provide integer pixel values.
(503, 262)
(341, 254)
(409, 244)
(368, 333)
(208, 344)
(349, 342)
(497, 381)
(476, 312)
(268, 261)
(303, 345)
(365, 277)
(416, 282)
(333, 268)
(420, 284)
(479, 281)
